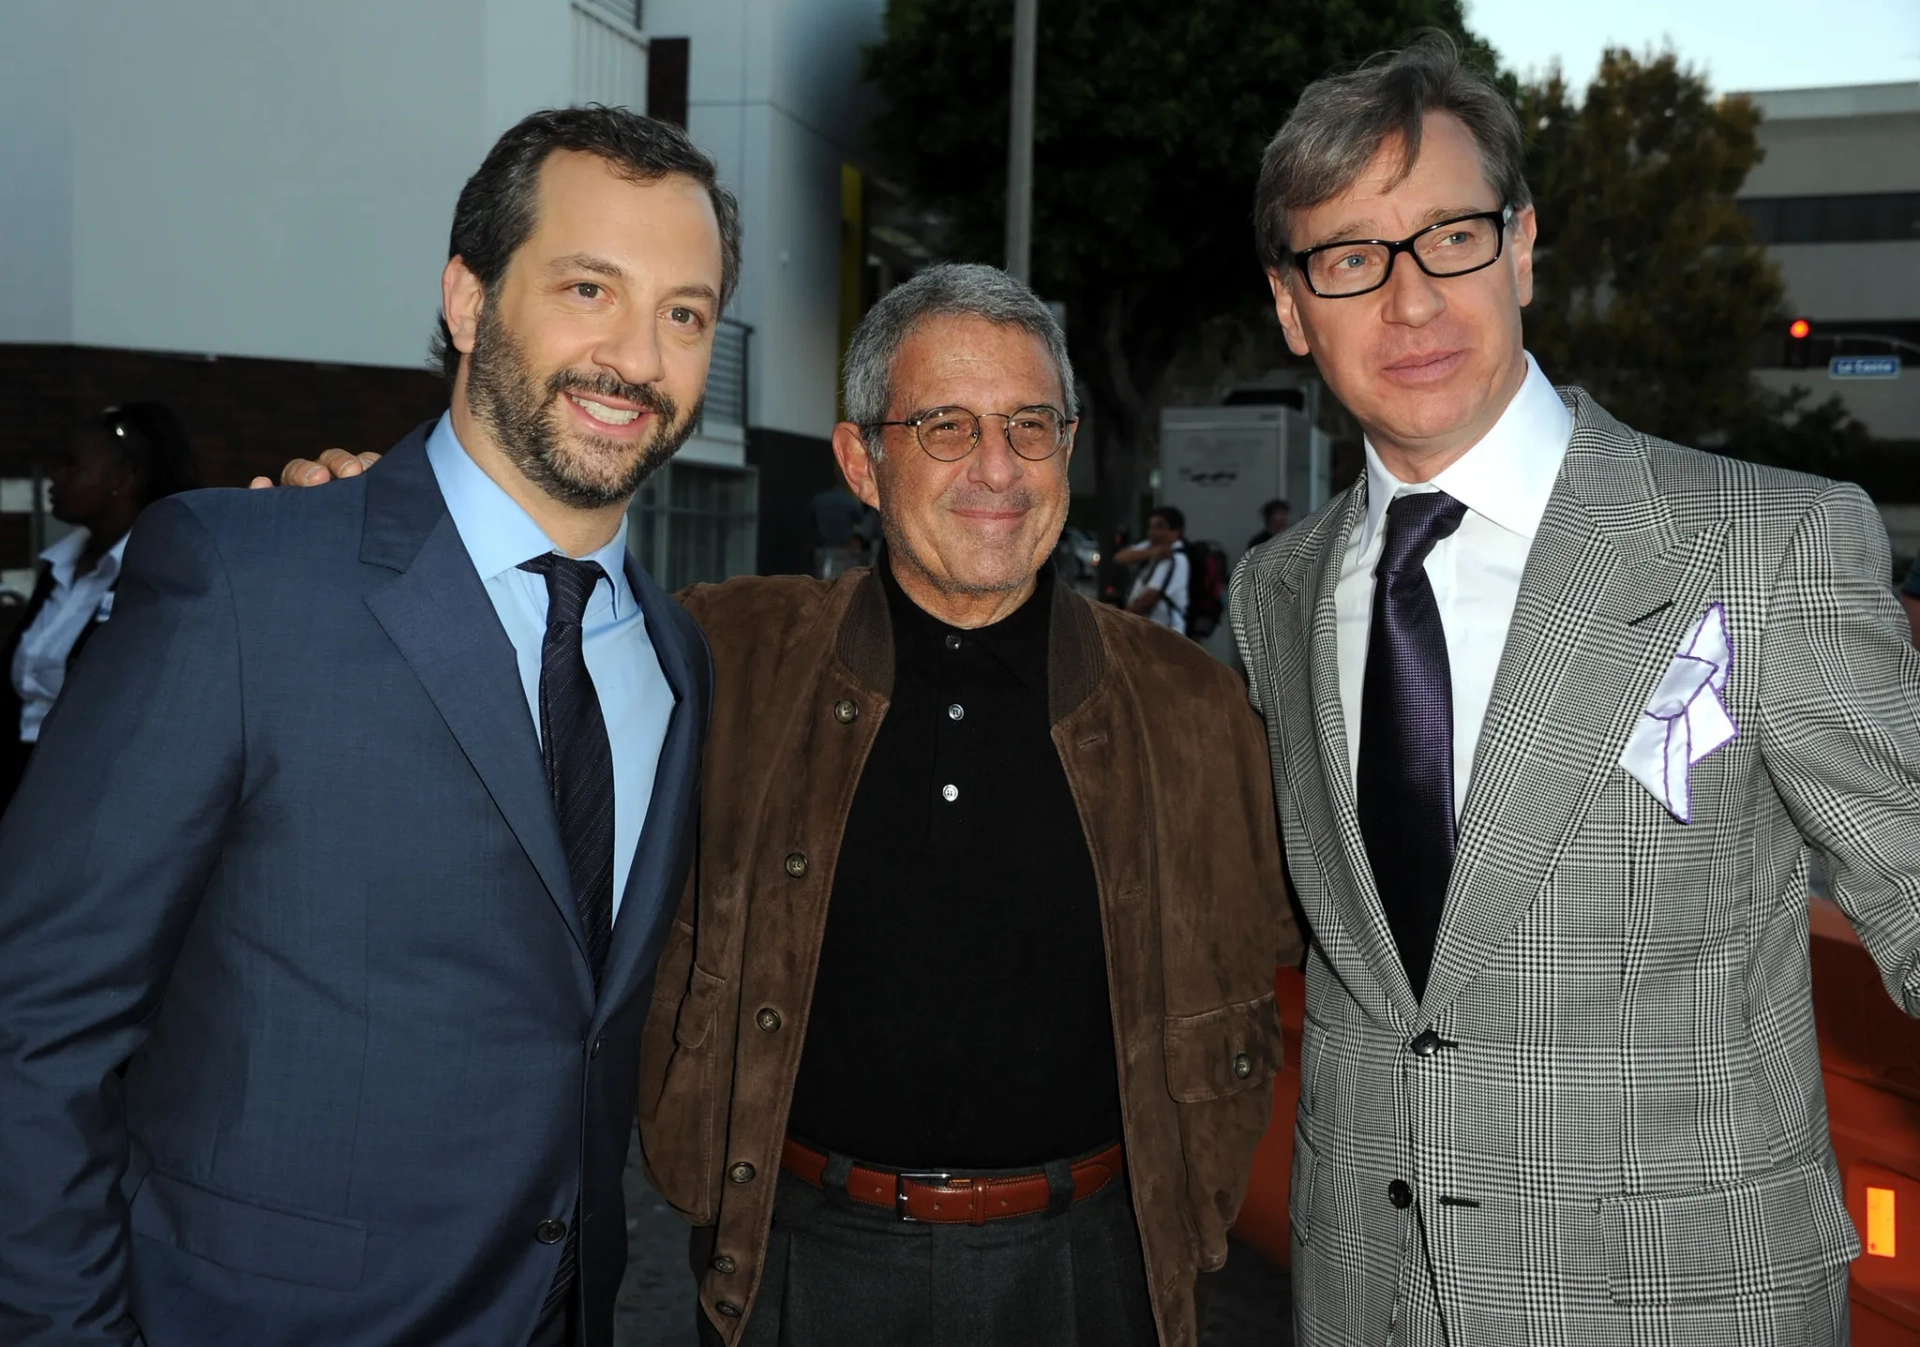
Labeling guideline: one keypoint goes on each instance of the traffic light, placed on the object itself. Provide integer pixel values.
(1799, 340)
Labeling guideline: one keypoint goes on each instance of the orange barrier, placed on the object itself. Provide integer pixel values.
(1870, 1057)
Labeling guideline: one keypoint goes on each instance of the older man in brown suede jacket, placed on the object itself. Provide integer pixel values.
(964, 1033)
(987, 882)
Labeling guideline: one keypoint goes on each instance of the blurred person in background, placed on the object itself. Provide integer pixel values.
(1273, 522)
(1160, 589)
(116, 464)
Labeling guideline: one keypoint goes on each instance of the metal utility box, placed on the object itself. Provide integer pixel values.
(1219, 465)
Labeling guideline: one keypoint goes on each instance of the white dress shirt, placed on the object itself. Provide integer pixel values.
(1504, 481)
(1170, 576)
(40, 663)
(635, 700)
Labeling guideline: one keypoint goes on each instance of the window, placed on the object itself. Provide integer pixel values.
(695, 522)
(1867, 218)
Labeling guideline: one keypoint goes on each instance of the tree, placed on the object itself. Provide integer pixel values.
(1150, 120)
(1650, 291)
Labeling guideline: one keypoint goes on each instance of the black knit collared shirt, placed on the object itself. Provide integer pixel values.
(960, 1017)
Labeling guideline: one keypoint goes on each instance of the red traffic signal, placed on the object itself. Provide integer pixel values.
(1799, 329)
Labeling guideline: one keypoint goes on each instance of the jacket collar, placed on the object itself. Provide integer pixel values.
(1076, 656)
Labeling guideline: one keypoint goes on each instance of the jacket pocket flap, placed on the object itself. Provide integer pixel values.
(695, 1020)
(289, 1246)
(1222, 1052)
(1689, 1247)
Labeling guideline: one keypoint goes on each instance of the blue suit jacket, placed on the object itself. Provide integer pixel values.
(287, 845)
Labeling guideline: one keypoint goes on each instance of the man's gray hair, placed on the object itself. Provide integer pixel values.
(1341, 121)
(950, 290)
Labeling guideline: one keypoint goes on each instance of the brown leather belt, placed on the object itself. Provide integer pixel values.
(920, 1195)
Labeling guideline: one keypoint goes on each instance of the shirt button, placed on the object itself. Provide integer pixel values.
(722, 1263)
(550, 1231)
(845, 712)
(953, 642)
(741, 1172)
(1400, 1194)
(768, 1018)
(949, 793)
(797, 865)
(956, 712)
(728, 1309)
(1242, 1065)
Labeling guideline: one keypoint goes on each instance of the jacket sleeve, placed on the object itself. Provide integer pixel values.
(1840, 724)
(103, 858)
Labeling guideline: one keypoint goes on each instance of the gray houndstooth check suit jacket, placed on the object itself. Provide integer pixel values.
(1622, 1136)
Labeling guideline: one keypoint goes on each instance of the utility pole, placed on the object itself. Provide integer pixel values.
(1026, 15)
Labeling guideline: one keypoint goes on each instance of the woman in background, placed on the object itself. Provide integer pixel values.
(117, 464)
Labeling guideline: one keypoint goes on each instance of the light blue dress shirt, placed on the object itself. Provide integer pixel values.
(634, 696)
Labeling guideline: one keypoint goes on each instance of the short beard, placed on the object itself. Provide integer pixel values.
(506, 396)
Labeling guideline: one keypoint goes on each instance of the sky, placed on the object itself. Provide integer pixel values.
(1742, 44)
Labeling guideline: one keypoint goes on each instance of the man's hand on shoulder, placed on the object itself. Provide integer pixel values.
(334, 465)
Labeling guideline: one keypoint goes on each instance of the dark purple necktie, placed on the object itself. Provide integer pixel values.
(579, 760)
(1405, 782)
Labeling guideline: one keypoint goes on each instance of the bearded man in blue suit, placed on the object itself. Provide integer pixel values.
(379, 1072)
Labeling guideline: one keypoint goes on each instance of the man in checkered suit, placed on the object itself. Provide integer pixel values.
(1556, 712)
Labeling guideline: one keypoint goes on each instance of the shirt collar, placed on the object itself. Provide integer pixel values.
(1507, 477)
(63, 557)
(1018, 640)
(497, 532)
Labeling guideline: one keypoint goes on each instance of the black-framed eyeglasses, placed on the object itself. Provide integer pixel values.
(1456, 247)
(949, 434)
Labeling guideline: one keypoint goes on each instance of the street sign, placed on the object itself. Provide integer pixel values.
(1864, 367)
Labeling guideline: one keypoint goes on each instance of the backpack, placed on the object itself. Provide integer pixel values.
(1206, 588)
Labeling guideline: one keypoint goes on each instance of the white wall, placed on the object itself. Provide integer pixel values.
(262, 179)
(774, 96)
(36, 172)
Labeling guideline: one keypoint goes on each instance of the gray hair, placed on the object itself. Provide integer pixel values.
(950, 290)
(1341, 121)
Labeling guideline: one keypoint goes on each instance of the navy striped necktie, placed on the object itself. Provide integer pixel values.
(573, 741)
(1404, 787)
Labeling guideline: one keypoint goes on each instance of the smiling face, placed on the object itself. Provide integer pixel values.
(966, 538)
(586, 362)
(1425, 364)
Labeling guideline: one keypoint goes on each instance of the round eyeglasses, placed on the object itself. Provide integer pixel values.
(949, 433)
(1453, 247)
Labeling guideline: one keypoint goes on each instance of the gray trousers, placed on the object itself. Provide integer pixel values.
(843, 1274)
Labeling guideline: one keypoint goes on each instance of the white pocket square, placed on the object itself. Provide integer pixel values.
(1686, 719)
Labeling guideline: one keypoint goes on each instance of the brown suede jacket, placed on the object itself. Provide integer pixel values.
(1168, 765)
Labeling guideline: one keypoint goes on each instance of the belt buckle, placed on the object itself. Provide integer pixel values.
(930, 1177)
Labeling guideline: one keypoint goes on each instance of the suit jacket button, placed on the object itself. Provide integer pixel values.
(550, 1231)
(845, 712)
(722, 1263)
(1242, 1065)
(1425, 1045)
(598, 1044)
(768, 1018)
(741, 1172)
(1399, 1194)
(728, 1308)
(797, 865)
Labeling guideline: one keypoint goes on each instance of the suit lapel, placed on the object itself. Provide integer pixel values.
(1609, 589)
(438, 615)
(1304, 594)
(659, 862)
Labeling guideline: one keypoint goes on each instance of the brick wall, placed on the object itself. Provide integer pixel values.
(243, 416)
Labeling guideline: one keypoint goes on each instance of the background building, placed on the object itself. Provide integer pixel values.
(1837, 202)
(242, 209)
